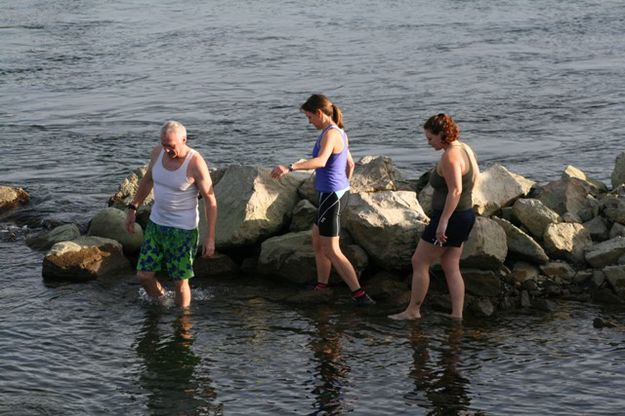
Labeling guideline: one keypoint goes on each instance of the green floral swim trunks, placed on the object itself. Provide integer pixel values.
(169, 248)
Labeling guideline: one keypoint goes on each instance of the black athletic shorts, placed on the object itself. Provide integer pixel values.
(329, 213)
(458, 229)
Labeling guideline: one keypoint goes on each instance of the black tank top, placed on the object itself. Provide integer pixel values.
(440, 189)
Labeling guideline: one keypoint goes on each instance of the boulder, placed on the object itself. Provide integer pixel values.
(520, 244)
(307, 190)
(558, 270)
(480, 307)
(573, 172)
(252, 205)
(374, 174)
(291, 257)
(12, 197)
(46, 240)
(534, 215)
(615, 275)
(598, 228)
(217, 265)
(618, 174)
(425, 198)
(128, 188)
(83, 259)
(497, 188)
(387, 225)
(487, 247)
(571, 196)
(617, 230)
(111, 223)
(613, 205)
(303, 216)
(567, 241)
(522, 271)
(605, 253)
(482, 282)
(383, 287)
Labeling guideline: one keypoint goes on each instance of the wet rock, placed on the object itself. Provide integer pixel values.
(482, 282)
(385, 288)
(497, 188)
(605, 253)
(598, 278)
(480, 307)
(46, 240)
(583, 276)
(374, 174)
(607, 296)
(545, 305)
(604, 323)
(111, 223)
(534, 215)
(522, 271)
(12, 197)
(617, 230)
(487, 246)
(386, 225)
(567, 242)
(558, 270)
(615, 275)
(217, 265)
(252, 205)
(303, 216)
(525, 299)
(312, 297)
(520, 244)
(618, 174)
(83, 259)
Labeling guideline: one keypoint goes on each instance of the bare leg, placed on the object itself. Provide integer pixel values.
(450, 261)
(332, 251)
(423, 257)
(323, 263)
(151, 284)
(183, 293)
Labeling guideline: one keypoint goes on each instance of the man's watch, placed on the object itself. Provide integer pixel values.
(132, 207)
(291, 168)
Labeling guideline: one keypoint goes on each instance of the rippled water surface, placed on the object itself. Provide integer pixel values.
(84, 87)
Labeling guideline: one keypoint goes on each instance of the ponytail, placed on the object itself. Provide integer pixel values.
(337, 116)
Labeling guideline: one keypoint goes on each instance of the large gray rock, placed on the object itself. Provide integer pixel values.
(46, 240)
(374, 174)
(252, 205)
(618, 174)
(291, 257)
(617, 230)
(615, 275)
(387, 225)
(217, 265)
(534, 215)
(558, 270)
(12, 197)
(598, 229)
(572, 197)
(573, 172)
(482, 282)
(567, 241)
(522, 271)
(303, 216)
(613, 205)
(497, 188)
(83, 259)
(521, 244)
(487, 246)
(111, 223)
(605, 253)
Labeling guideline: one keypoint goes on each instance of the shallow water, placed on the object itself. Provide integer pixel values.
(84, 87)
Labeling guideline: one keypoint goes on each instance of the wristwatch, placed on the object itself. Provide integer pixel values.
(291, 168)
(131, 206)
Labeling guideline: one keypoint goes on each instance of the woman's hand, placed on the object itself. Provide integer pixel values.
(279, 171)
(441, 233)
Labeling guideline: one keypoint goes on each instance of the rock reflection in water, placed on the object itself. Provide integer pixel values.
(169, 376)
(439, 385)
(331, 371)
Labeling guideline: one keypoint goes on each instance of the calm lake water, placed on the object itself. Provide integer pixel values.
(84, 88)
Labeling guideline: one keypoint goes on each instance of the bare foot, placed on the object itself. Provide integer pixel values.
(405, 316)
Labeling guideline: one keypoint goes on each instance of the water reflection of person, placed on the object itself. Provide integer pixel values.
(331, 371)
(439, 387)
(170, 363)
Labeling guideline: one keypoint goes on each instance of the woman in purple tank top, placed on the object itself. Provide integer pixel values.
(333, 166)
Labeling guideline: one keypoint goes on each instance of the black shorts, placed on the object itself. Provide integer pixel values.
(458, 229)
(329, 213)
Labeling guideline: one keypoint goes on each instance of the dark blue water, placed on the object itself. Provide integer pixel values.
(84, 88)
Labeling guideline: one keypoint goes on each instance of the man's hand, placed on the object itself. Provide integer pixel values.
(130, 220)
(208, 247)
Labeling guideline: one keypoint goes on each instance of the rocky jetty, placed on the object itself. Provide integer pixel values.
(532, 243)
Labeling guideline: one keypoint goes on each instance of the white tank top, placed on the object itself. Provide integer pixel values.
(175, 197)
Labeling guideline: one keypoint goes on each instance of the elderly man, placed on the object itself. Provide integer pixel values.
(178, 175)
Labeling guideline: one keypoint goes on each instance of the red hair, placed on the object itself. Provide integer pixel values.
(444, 125)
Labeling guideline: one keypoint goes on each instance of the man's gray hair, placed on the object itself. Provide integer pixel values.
(173, 125)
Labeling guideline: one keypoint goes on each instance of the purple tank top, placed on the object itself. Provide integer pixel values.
(332, 177)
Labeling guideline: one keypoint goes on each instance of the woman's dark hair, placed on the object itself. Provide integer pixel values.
(444, 125)
(321, 102)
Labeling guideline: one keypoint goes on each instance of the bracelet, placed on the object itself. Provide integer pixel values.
(132, 207)
(291, 168)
